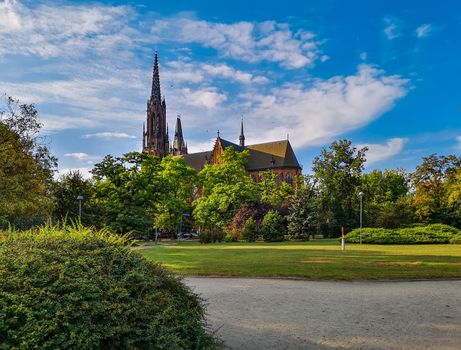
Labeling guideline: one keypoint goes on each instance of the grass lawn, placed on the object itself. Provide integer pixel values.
(321, 259)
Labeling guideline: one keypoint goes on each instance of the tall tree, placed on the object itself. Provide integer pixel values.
(128, 187)
(66, 190)
(225, 187)
(273, 191)
(303, 217)
(24, 191)
(178, 182)
(23, 120)
(431, 181)
(337, 172)
(387, 202)
(26, 166)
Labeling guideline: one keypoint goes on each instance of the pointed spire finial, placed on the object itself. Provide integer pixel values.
(156, 80)
(242, 136)
(218, 133)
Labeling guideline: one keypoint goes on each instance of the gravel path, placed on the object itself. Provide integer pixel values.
(289, 314)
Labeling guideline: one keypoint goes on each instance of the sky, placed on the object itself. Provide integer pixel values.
(383, 74)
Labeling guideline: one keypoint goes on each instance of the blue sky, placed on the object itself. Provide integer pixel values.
(382, 73)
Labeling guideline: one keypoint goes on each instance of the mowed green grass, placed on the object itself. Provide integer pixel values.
(321, 259)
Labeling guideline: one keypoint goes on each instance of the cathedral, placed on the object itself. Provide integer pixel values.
(276, 156)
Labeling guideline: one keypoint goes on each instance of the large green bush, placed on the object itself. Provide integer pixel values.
(456, 239)
(215, 235)
(273, 227)
(80, 289)
(251, 230)
(418, 234)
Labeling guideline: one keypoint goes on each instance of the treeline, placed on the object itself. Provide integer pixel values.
(142, 194)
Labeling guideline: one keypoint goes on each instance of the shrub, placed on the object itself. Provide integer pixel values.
(246, 211)
(273, 228)
(211, 236)
(81, 289)
(251, 230)
(456, 239)
(231, 236)
(417, 234)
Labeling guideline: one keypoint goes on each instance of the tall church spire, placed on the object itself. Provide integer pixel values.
(179, 145)
(155, 93)
(156, 141)
(242, 136)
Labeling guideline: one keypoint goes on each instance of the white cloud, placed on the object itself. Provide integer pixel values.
(378, 152)
(423, 30)
(180, 71)
(85, 171)
(313, 114)
(392, 27)
(51, 31)
(225, 71)
(81, 156)
(207, 97)
(246, 41)
(109, 135)
(9, 19)
(458, 138)
(200, 146)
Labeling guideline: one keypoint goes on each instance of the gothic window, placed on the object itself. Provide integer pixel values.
(289, 179)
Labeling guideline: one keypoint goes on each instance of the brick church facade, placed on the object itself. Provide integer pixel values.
(276, 156)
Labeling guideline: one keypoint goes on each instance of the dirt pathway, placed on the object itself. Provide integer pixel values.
(290, 314)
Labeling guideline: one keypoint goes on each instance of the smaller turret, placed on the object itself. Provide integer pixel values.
(179, 145)
(242, 136)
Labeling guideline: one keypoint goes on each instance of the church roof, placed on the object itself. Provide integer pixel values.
(269, 155)
(225, 144)
(197, 160)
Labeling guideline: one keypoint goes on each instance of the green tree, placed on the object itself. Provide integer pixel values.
(337, 172)
(432, 181)
(67, 189)
(128, 188)
(272, 190)
(302, 220)
(273, 227)
(225, 187)
(179, 182)
(387, 202)
(26, 169)
(251, 230)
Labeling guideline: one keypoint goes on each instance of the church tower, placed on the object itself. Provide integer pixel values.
(155, 137)
(179, 146)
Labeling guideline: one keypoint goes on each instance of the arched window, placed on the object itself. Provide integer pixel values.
(289, 179)
(279, 179)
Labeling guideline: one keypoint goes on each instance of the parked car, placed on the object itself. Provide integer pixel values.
(187, 235)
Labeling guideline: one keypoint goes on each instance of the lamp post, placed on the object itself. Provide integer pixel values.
(180, 223)
(80, 199)
(361, 214)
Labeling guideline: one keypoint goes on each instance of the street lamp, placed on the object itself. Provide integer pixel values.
(180, 223)
(361, 214)
(80, 199)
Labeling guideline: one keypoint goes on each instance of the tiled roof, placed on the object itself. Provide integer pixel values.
(276, 154)
(269, 155)
(197, 160)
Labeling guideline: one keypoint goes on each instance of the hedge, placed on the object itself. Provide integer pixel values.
(76, 288)
(427, 234)
(456, 239)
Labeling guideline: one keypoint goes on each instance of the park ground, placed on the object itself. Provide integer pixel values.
(316, 260)
(261, 313)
